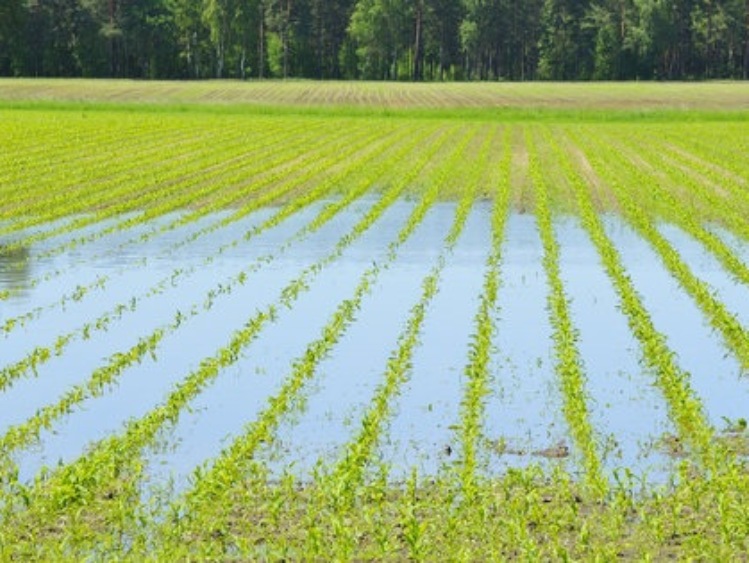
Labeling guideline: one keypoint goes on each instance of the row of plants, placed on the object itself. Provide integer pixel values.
(569, 363)
(462, 485)
(682, 182)
(207, 505)
(480, 348)
(735, 335)
(140, 432)
(705, 499)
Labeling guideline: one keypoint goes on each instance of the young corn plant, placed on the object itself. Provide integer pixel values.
(569, 365)
(232, 464)
(120, 454)
(685, 409)
(734, 334)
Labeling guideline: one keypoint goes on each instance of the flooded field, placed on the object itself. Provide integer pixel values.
(290, 337)
(524, 411)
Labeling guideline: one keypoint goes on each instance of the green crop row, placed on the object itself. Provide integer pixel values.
(140, 432)
(143, 190)
(569, 364)
(41, 354)
(734, 334)
(235, 466)
(466, 524)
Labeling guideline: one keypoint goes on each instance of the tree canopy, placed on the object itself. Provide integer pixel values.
(377, 39)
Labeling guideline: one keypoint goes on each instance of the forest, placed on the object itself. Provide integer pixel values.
(429, 40)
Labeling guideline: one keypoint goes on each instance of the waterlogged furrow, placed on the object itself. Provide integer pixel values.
(233, 467)
(348, 153)
(569, 364)
(522, 363)
(685, 409)
(115, 461)
(682, 210)
(735, 335)
(41, 354)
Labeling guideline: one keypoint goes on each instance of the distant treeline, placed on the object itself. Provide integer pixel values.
(377, 39)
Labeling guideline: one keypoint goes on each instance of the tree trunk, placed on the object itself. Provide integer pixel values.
(746, 42)
(286, 26)
(418, 68)
(261, 42)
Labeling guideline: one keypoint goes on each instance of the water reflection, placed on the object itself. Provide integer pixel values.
(524, 409)
(15, 268)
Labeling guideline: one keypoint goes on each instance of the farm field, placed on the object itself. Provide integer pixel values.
(359, 321)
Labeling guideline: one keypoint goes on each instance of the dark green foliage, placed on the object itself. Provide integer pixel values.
(377, 39)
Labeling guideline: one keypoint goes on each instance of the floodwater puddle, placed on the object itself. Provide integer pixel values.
(223, 411)
(626, 410)
(731, 292)
(421, 433)
(523, 420)
(523, 411)
(716, 376)
(200, 336)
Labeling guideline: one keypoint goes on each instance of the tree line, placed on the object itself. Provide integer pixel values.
(377, 39)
